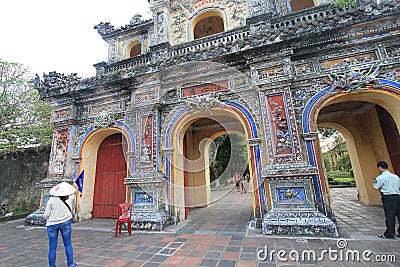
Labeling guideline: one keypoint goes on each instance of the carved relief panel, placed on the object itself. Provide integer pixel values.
(146, 152)
(273, 71)
(59, 151)
(258, 7)
(281, 129)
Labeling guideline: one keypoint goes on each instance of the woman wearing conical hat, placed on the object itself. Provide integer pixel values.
(59, 217)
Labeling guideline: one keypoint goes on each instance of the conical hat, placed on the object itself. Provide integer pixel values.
(62, 189)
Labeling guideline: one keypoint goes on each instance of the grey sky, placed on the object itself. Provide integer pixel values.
(54, 35)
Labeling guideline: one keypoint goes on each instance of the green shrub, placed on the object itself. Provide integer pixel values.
(338, 174)
(344, 3)
(24, 207)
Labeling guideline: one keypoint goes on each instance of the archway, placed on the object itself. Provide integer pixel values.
(364, 126)
(367, 122)
(208, 23)
(187, 165)
(386, 94)
(87, 156)
(111, 169)
(134, 49)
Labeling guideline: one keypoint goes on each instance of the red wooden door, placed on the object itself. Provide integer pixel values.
(109, 188)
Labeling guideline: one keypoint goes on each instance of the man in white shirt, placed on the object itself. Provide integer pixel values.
(389, 187)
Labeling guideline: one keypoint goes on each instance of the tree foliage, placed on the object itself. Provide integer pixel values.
(229, 155)
(24, 118)
(336, 155)
(345, 3)
(326, 132)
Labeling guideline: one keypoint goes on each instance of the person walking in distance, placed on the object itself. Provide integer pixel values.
(243, 190)
(59, 217)
(236, 179)
(389, 187)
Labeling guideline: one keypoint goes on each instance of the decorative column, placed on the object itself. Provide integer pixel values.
(147, 204)
(260, 7)
(293, 188)
(161, 11)
(63, 117)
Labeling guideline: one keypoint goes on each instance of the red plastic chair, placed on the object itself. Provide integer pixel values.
(123, 216)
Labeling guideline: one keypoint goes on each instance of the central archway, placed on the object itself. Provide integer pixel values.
(188, 140)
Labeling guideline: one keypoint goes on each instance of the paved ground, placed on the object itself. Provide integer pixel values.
(213, 236)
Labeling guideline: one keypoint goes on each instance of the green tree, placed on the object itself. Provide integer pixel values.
(326, 132)
(24, 118)
(344, 162)
(336, 155)
(345, 3)
(229, 155)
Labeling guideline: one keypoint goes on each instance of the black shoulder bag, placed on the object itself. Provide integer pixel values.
(69, 208)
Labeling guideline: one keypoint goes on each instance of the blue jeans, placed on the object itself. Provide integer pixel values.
(52, 233)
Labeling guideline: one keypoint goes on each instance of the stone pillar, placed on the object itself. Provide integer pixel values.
(61, 158)
(148, 211)
(260, 7)
(161, 11)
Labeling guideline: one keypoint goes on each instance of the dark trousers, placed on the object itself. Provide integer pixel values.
(391, 206)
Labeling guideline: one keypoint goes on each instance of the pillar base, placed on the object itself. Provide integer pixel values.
(299, 223)
(36, 218)
(154, 220)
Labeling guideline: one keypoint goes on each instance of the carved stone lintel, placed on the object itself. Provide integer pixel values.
(312, 136)
(254, 141)
(77, 159)
(168, 150)
(130, 154)
(283, 171)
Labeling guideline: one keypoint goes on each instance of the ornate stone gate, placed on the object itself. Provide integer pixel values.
(271, 71)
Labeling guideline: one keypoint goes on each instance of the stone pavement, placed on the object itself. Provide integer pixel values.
(212, 236)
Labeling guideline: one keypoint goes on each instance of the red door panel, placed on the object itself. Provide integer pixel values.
(109, 188)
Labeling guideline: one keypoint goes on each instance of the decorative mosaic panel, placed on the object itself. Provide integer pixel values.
(241, 81)
(303, 69)
(146, 148)
(145, 98)
(291, 193)
(143, 198)
(61, 114)
(271, 73)
(204, 89)
(94, 110)
(393, 51)
(201, 3)
(59, 150)
(282, 136)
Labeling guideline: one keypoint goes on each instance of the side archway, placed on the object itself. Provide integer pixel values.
(86, 155)
(358, 116)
